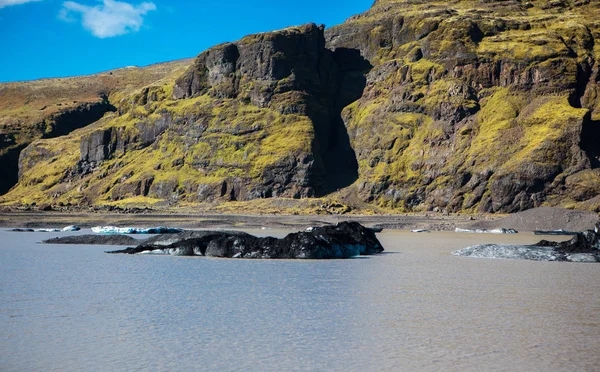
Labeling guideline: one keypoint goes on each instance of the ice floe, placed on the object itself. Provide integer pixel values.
(135, 230)
(486, 231)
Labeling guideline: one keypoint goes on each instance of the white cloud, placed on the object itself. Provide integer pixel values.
(111, 18)
(5, 3)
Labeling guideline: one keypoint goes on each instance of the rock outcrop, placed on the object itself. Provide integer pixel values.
(344, 240)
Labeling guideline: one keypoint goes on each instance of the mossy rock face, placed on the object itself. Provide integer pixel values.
(475, 105)
(51, 108)
(258, 118)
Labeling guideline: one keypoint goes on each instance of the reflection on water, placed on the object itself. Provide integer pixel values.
(70, 308)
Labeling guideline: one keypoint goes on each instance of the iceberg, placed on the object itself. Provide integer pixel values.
(71, 228)
(486, 231)
(135, 230)
(525, 252)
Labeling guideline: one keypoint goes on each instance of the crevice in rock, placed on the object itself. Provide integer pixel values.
(584, 74)
(339, 159)
(590, 140)
(10, 164)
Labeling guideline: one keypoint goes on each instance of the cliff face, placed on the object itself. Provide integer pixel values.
(55, 107)
(489, 105)
(476, 105)
(258, 118)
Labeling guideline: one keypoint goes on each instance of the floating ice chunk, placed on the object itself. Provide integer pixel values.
(112, 230)
(134, 230)
(582, 257)
(506, 251)
(524, 252)
(71, 228)
(158, 252)
(46, 230)
(485, 231)
(420, 231)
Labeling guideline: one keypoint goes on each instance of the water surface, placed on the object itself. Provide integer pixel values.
(415, 307)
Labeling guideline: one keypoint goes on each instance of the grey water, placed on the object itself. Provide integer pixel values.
(415, 307)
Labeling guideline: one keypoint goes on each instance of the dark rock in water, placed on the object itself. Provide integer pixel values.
(344, 240)
(584, 247)
(187, 243)
(94, 240)
(22, 230)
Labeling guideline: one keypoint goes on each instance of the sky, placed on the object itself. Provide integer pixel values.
(57, 38)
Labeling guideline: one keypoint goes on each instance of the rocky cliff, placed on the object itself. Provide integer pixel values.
(55, 107)
(413, 105)
(258, 118)
(487, 105)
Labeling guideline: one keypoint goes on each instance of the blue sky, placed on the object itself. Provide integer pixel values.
(56, 38)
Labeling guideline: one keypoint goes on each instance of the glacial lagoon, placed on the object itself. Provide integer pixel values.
(414, 307)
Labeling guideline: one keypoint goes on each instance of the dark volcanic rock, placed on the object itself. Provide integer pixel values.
(93, 240)
(344, 240)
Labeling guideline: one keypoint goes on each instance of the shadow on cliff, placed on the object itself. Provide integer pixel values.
(590, 141)
(338, 156)
(10, 169)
